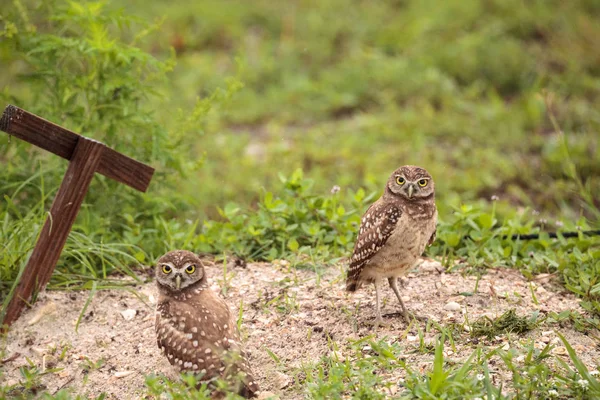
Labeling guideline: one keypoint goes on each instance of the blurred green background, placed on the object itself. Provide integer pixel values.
(349, 90)
(494, 97)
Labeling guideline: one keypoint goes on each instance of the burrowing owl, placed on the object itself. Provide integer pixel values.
(194, 326)
(394, 232)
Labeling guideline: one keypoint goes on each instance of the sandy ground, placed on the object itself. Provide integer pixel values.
(295, 314)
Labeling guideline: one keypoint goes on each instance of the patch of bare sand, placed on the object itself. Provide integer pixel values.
(295, 314)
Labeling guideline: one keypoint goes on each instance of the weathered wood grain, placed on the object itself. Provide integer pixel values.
(38, 131)
(66, 205)
(60, 141)
(86, 157)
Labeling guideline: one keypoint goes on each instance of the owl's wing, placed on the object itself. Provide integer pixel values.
(199, 339)
(376, 227)
(432, 238)
(236, 364)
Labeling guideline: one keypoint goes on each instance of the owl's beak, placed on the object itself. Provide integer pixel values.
(411, 189)
(178, 282)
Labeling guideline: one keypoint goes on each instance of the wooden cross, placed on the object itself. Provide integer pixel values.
(86, 157)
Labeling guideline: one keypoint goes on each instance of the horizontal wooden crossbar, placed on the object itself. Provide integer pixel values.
(60, 141)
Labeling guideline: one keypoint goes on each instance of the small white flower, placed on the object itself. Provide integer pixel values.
(584, 384)
(335, 189)
(480, 377)
(477, 398)
(559, 224)
(552, 393)
(595, 372)
(495, 198)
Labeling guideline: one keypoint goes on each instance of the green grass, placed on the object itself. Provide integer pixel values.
(377, 369)
(252, 112)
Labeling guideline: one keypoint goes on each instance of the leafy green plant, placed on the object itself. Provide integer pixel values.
(507, 323)
(297, 221)
(443, 383)
(84, 69)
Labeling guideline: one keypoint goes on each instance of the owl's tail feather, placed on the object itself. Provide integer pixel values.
(353, 285)
(248, 392)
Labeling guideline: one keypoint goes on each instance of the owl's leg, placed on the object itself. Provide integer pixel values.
(394, 284)
(378, 320)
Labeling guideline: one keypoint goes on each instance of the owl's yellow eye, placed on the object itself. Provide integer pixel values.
(400, 180)
(166, 269)
(423, 182)
(190, 269)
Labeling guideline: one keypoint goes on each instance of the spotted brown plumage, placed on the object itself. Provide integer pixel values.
(394, 232)
(376, 226)
(195, 328)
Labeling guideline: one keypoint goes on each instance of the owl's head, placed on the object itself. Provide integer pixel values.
(179, 269)
(412, 183)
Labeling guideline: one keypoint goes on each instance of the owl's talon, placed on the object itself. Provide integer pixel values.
(407, 316)
(378, 321)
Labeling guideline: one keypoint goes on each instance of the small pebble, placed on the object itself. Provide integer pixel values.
(281, 380)
(123, 374)
(46, 309)
(541, 289)
(128, 314)
(561, 351)
(38, 351)
(452, 306)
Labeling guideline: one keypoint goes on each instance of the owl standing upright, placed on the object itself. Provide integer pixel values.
(194, 326)
(394, 233)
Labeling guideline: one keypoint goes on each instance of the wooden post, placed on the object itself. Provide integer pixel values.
(86, 156)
